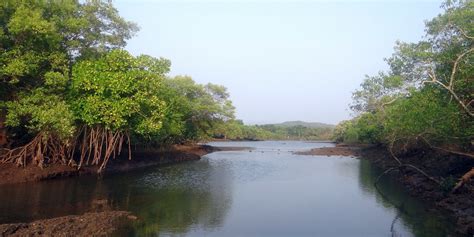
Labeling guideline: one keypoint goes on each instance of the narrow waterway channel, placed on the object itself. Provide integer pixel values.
(263, 191)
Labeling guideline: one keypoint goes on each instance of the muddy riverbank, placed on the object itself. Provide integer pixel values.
(338, 150)
(442, 166)
(460, 205)
(89, 224)
(103, 222)
(141, 158)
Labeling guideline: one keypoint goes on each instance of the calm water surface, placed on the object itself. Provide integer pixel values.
(265, 191)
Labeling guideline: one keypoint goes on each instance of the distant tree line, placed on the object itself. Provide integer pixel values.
(237, 130)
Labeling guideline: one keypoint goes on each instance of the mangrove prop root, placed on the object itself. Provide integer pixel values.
(41, 149)
(96, 145)
(464, 179)
(467, 176)
(99, 145)
(401, 165)
(464, 154)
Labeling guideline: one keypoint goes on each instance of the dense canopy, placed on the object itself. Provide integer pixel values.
(71, 94)
(426, 98)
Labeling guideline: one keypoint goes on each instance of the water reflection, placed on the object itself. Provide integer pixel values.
(171, 199)
(266, 192)
(25, 202)
(180, 198)
(413, 217)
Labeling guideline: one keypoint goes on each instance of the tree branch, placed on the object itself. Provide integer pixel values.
(390, 102)
(446, 150)
(449, 88)
(463, 33)
(458, 59)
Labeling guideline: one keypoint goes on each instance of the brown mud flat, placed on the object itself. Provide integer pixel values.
(89, 224)
(459, 205)
(141, 158)
(338, 150)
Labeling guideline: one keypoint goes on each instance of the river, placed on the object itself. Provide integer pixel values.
(262, 191)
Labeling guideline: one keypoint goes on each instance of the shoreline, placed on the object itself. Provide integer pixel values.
(460, 206)
(104, 223)
(143, 158)
(95, 223)
(338, 150)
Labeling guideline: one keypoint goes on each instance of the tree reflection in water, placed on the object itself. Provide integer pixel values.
(412, 214)
(305, 195)
(170, 199)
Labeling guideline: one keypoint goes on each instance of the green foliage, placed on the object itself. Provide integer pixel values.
(369, 128)
(426, 113)
(42, 36)
(298, 131)
(341, 130)
(376, 91)
(427, 93)
(119, 92)
(194, 110)
(39, 42)
(41, 112)
(64, 76)
(256, 133)
(237, 130)
(366, 128)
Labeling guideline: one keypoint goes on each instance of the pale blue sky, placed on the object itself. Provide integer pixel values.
(280, 60)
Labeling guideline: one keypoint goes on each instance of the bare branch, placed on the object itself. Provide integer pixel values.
(463, 33)
(449, 88)
(446, 150)
(470, 102)
(455, 66)
(468, 111)
(400, 164)
(390, 102)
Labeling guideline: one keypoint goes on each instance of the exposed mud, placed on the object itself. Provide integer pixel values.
(338, 150)
(88, 224)
(141, 158)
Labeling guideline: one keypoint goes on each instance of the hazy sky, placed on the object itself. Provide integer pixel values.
(280, 60)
